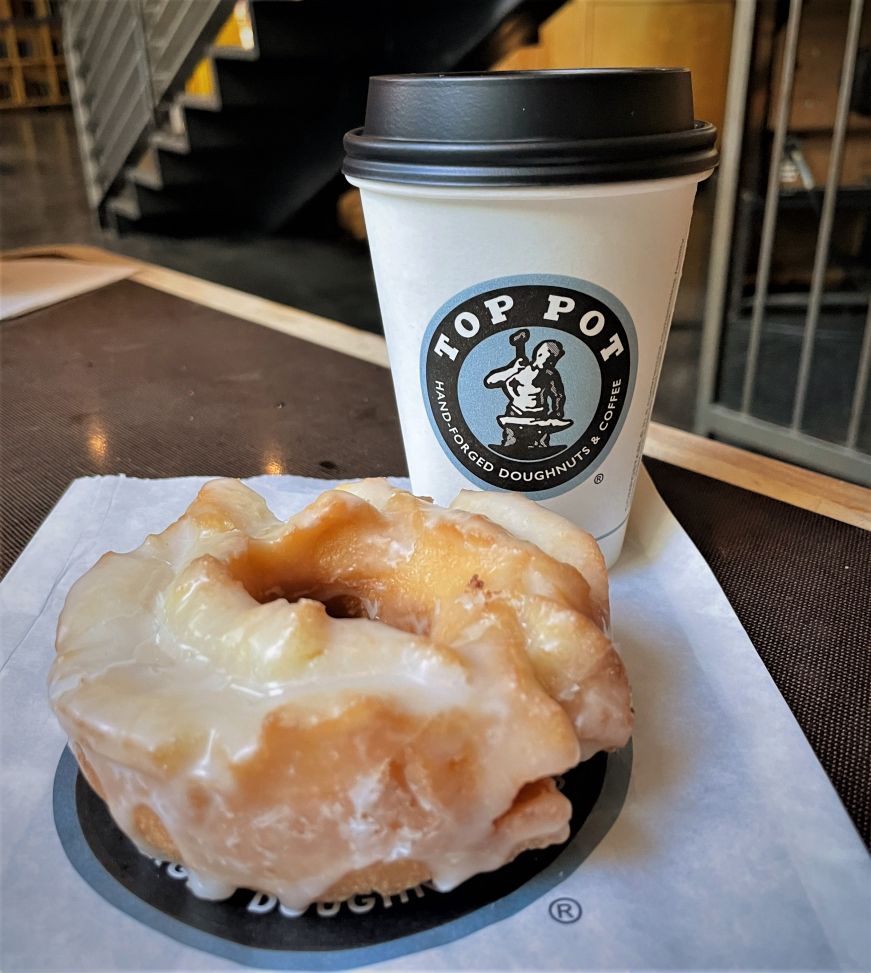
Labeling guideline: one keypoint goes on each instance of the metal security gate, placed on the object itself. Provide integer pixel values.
(786, 347)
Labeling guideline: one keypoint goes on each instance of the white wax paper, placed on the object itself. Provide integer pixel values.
(30, 283)
(732, 850)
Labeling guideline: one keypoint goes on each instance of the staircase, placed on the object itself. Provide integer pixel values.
(268, 140)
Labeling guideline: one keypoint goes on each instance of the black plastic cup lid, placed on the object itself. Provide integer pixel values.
(520, 128)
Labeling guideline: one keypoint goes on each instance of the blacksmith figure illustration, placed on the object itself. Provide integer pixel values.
(536, 399)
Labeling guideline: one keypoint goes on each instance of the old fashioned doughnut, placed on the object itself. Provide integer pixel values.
(376, 692)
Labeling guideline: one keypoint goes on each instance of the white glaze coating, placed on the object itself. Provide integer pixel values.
(271, 746)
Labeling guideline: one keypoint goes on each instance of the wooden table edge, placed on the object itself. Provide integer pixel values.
(271, 314)
(846, 502)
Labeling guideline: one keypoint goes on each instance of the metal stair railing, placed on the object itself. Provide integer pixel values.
(124, 59)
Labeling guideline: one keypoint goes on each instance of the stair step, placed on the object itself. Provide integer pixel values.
(122, 211)
(147, 171)
(175, 118)
(210, 103)
(221, 52)
(170, 141)
(126, 206)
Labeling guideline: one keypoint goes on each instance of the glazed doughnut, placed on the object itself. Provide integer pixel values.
(376, 692)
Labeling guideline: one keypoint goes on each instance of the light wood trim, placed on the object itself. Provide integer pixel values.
(280, 317)
(820, 494)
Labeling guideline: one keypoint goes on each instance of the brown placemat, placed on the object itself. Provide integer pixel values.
(131, 380)
(801, 586)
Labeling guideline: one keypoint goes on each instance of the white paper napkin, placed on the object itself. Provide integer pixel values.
(30, 283)
(732, 850)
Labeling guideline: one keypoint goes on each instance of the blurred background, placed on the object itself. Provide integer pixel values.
(206, 136)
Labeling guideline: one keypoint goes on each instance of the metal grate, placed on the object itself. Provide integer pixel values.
(785, 369)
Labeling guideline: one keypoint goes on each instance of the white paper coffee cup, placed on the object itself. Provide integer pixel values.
(526, 323)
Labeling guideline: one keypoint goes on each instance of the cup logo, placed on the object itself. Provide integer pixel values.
(527, 381)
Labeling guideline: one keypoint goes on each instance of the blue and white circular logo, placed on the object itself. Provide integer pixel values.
(527, 380)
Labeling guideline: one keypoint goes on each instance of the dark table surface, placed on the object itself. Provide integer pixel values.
(129, 379)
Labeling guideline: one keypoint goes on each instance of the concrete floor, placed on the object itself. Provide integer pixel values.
(43, 201)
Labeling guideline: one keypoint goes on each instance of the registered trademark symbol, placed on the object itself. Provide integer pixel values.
(565, 910)
(598, 478)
